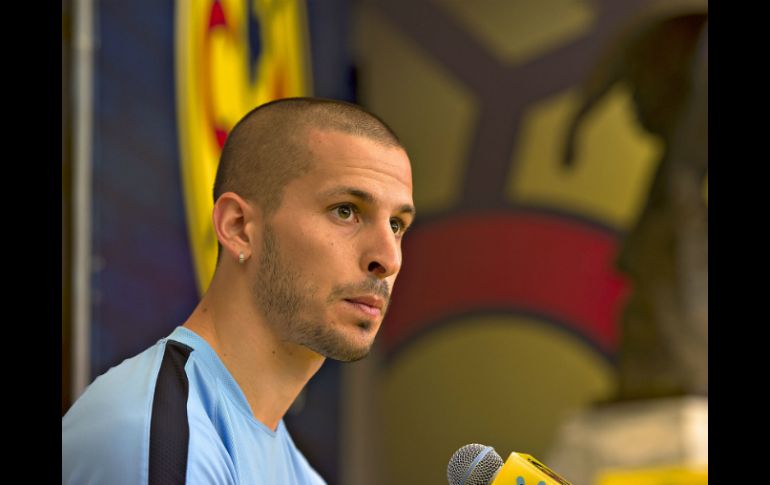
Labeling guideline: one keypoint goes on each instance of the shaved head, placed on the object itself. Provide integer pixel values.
(268, 147)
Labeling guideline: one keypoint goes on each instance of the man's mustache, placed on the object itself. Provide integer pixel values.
(370, 285)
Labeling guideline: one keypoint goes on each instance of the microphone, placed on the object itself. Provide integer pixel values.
(477, 464)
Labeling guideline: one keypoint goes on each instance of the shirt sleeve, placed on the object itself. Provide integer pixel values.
(105, 432)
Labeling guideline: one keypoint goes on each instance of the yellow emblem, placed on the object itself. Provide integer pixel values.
(231, 56)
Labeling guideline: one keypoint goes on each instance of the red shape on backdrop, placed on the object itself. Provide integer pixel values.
(221, 135)
(551, 266)
(217, 19)
(217, 15)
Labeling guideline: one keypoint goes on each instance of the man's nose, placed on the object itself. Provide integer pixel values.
(382, 252)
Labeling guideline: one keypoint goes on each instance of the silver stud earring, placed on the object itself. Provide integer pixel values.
(241, 258)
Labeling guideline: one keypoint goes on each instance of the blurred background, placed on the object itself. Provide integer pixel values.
(553, 298)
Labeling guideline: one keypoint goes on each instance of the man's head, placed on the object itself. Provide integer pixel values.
(323, 194)
(268, 147)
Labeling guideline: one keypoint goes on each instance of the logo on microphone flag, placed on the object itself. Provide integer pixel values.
(231, 56)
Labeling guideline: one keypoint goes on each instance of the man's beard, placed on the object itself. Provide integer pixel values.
(297, 315)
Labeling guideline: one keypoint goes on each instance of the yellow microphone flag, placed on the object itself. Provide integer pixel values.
(524, 469)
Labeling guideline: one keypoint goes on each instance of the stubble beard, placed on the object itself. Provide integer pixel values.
(295, 313)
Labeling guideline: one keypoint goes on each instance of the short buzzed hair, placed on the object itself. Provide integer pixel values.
(268, 147)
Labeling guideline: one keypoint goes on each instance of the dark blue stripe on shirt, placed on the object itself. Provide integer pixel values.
(169, 428)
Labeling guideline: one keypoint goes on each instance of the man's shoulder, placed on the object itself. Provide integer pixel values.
(121, 386)
(136, 414)
(105, 432)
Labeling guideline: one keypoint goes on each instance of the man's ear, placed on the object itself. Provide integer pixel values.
(237, 222)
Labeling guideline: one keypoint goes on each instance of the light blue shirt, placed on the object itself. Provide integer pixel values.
(106, 432)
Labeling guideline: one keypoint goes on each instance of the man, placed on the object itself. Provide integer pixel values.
(312, 198)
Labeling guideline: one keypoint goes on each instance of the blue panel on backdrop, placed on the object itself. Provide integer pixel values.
(143, 282)
(330, 23)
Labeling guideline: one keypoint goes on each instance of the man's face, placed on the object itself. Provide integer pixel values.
(331, 252)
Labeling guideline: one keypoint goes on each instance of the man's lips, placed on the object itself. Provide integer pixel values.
(369, 304)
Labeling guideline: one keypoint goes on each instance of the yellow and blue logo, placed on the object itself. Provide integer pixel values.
(231, 56)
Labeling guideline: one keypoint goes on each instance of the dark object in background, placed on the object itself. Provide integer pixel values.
(664, 328)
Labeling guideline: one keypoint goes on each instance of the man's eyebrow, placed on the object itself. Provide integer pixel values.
(366, 197)
(358, 193)
(407, 209)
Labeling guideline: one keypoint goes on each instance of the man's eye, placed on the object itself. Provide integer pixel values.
(396, 225)
(344, 211)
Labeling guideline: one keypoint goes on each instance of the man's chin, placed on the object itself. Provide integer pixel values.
(355, 357)
(344, 344)
(345, 353)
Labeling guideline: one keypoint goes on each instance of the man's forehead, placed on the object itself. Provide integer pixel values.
(337, 151)
(331, 137)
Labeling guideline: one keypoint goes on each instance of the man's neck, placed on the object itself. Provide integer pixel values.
(270, 373)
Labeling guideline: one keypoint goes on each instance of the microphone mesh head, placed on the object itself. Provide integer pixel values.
(482, 472)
